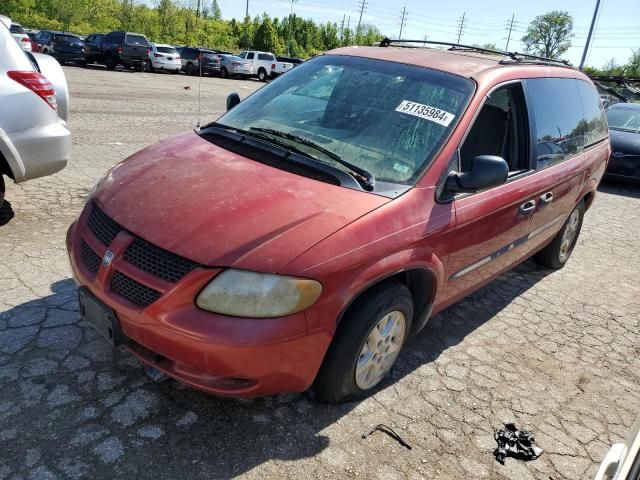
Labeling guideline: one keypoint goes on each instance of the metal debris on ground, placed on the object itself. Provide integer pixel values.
(389, 431)
(515, 443)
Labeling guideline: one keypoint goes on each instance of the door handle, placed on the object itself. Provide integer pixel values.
(528, 207)
(547, 197)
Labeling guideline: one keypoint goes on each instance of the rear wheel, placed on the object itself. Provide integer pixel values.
(190, 69)
(149, 66)
(223, 72)
(556, 254)
(366, 343)
(262, 75)
(110, 63)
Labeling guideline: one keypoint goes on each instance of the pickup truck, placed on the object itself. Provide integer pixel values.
(118, 48)
(261, 61)
(280, 66)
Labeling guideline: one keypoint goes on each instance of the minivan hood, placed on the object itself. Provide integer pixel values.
(218, 208)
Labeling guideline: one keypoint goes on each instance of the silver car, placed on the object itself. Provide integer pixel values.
(622, 461)
(233, 66)
(35, 142)
(21, 36)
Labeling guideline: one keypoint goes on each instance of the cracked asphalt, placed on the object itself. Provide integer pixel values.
(558, 353)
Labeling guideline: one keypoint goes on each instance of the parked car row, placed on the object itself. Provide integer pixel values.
(133, 50)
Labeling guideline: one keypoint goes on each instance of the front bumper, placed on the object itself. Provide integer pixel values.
(624, 168)
(217, 354)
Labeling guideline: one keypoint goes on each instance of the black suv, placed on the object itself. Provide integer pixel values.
(124, 48)
(63, 46)
(197, 61)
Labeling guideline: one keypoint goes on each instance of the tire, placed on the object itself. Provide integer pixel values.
(223, 73)
(262, 75)
(149, 66)
(175, 72)
(386, 302)
(2, 189)
(110, 63)
(556, 254)
(61, 61)
(190, 70)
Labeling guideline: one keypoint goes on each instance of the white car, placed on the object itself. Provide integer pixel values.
(622, 461)
(261, 61)
(163, 57)
(21, 36)
(35, 142)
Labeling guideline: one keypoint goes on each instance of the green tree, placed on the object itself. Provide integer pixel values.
(549, 35)
(167, 10)
(216, 13)
(266, 37)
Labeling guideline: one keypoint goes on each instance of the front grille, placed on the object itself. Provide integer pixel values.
(158, 262)
(272, 160)
(133, 291)
(102, 226)
(89, 258)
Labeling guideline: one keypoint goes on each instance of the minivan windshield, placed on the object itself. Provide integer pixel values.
(624, 117)
(387, 118)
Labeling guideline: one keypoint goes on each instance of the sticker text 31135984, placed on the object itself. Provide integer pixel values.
(425, 111)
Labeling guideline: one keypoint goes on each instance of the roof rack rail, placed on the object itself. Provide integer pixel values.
(514, 56)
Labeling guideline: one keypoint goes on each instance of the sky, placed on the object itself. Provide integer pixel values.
(617, 29)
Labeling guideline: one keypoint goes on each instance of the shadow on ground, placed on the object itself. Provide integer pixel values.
(615, 187)
(71, 407)
(6, 213)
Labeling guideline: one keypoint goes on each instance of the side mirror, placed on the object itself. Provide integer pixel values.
(232, 100)
(486, 171)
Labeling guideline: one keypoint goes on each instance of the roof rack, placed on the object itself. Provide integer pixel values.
(515, 57)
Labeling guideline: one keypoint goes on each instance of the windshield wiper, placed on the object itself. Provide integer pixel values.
(364, 176)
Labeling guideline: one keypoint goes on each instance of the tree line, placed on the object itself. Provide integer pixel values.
(170, 21)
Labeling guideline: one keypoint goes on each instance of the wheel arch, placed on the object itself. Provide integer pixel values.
(421, 281)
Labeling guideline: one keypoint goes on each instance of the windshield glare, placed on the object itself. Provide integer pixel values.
(627, 118)
(385, 117)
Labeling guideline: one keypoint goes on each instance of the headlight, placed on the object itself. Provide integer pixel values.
(248, 294)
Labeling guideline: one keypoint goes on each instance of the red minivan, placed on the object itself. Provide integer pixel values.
(299, 239)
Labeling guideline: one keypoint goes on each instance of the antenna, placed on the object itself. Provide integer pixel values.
(199, 84)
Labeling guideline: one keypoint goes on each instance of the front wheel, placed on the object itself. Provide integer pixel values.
(262, 75)
(556, 254)
(223, 73)
(149, 66)
(189, 69)
(366, 343)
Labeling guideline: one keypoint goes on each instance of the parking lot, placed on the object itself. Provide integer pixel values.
(558, 353)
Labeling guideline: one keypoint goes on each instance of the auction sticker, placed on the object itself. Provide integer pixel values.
(425, 111)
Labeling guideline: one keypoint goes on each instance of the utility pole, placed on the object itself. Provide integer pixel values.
(461, 26)
(247, 14)
(290, 27)
(586, 45)
(363, 3)
(402, 21)
(509, 35)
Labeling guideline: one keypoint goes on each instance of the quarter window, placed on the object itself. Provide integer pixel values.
(595, 120)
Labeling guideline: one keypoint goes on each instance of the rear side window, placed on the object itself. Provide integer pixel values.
(265, 56)
(167, 50)
(16, 28)
(559, 120)
(137, 40)
(595, 120)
